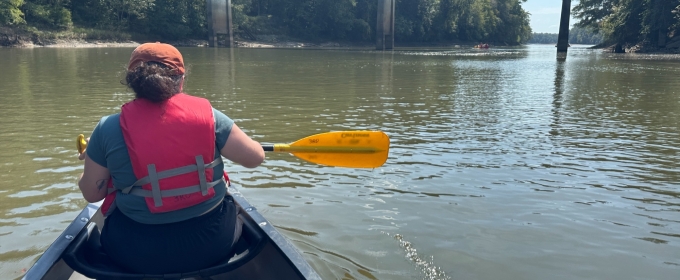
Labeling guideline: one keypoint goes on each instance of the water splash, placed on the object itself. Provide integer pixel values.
(428, 268)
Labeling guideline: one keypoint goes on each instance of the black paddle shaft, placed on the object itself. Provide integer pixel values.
(268, 148)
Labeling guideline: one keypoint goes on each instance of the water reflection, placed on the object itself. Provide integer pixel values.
(557, 97)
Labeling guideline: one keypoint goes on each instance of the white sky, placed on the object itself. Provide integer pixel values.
(545, 15)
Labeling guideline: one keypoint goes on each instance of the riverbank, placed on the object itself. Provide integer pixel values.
(32, 41)
(670, 47)
(30, 37)
(91, 38)
(19, 41)
(13, 38)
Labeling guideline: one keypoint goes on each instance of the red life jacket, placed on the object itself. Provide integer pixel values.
(169, 144)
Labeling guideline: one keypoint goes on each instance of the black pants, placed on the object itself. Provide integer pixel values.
(171, 248)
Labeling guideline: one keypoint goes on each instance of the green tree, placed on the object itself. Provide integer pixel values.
(91, 13)
(513, 24)
(543, 38)
(174, 19)
(446, 20)
(48, 13)
(577, 35)
(499, 21)
(629, 21)
(580, 35)
(657, 19)
(472, 20)
(675, 26)
(624, 24)
(317, 19)
(10, 12)
(592, 12)
(365, 18)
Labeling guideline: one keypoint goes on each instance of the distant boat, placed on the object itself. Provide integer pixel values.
(482, 46)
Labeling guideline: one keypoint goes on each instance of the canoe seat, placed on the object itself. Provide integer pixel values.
(86, 256)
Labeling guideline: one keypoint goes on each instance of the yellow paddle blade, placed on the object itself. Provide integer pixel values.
(81, 144)
(357, 149)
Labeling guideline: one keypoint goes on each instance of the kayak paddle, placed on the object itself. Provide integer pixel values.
(355, 149)
(358, 149)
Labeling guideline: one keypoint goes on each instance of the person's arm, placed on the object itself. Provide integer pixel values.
(94, 179)
(240, 149)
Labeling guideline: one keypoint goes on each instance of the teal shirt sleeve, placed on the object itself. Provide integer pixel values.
(94, 147)
(223, 125)
(107, 148)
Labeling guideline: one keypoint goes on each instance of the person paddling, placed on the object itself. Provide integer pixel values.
(158, 166)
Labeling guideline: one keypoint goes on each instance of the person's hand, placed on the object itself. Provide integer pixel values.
(81, 156)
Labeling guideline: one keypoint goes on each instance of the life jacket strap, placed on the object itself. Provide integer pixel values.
(172, 172)
(155, 185)
(200, 164)
(173, 192)
(154, 177)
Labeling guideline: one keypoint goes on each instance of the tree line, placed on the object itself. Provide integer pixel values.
(625, 22)
(494, 21)
(577, 35)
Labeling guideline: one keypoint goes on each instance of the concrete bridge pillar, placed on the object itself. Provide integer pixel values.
(563, 37)
(219, 22)
(384, 28)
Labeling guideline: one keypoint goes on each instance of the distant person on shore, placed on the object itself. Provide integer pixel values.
(165, 141)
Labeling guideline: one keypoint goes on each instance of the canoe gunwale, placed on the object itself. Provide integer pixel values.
(51, 264)
(282, 243)
(53, 253)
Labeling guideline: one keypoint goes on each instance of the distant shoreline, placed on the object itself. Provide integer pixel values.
(12, 38)
(288, 44)
(27, 38)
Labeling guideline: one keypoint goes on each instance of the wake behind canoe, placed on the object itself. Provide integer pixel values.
(264, 253)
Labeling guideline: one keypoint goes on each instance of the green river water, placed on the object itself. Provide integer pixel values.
(504, 163)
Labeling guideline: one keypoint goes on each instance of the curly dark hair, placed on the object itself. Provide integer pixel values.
(153, 81)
